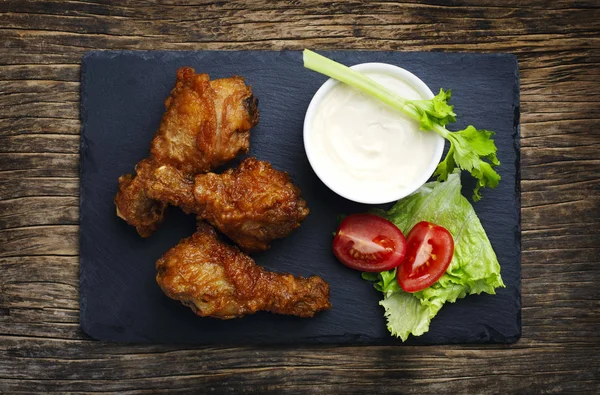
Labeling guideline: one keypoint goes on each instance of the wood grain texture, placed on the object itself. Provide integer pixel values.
(558, 45)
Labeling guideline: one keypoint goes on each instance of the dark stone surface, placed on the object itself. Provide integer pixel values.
(122, 98)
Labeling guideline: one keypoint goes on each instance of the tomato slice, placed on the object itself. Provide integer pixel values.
(369, 243)
(429, 251)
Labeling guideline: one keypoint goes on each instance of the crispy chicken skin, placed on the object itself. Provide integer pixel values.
(169, 185)
(133, 203)
(218, 280)
(206, 124)
(252, 204)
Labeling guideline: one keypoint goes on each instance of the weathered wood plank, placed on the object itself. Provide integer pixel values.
(46, 143)
(53, 364)
(39, 165)
(42, 210)
(15, 125)
(50, 109)
(39, 240)
(17, 187)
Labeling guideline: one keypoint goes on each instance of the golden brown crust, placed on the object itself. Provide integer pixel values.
(167, 184)
(218, 280)
(252, 204)
(133, 203)
(205, 124)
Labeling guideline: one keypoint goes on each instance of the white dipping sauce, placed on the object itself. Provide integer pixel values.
(364, 147)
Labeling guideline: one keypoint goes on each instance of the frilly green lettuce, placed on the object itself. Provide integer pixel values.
(474, 267)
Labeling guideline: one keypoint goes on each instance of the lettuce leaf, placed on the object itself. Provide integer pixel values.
(474, 267)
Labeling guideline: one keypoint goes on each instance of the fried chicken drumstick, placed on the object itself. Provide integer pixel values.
(252, 204)
(218, 280)
(206, 124)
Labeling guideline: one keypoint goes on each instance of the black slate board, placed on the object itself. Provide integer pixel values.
(122, 95)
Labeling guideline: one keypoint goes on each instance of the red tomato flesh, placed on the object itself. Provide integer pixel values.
(429, 251)
(369, 243)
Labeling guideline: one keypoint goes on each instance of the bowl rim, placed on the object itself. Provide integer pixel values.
(385, 68)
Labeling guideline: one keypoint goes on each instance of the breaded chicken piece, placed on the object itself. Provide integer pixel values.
(133, 203)
(206, 124)
(218, 280)
(252, 204)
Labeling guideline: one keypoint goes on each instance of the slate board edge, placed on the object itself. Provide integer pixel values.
(517, 164)
(82, 156)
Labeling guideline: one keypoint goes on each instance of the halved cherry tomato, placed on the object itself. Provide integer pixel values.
(429, 251)
(369, 243)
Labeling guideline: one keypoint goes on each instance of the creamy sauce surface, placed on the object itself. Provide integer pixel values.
(365, 148)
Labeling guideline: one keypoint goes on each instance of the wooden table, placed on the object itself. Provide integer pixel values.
(558, 45)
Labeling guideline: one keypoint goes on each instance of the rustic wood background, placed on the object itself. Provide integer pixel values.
(557, 42)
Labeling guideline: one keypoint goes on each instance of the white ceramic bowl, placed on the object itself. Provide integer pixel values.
(396, 72)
